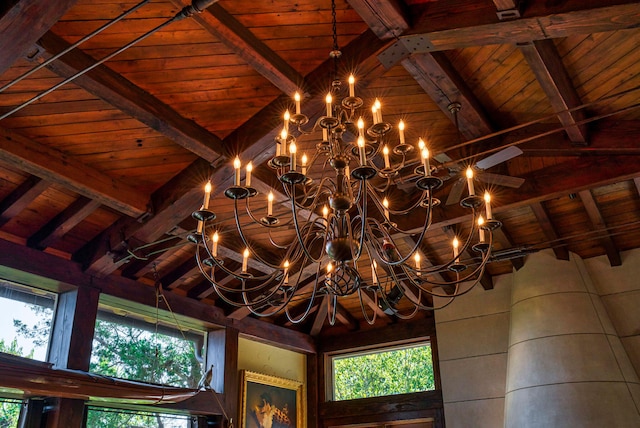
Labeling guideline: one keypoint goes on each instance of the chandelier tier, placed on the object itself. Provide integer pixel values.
(346, 241)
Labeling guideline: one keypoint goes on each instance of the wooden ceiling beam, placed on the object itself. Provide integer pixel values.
(591, 206)
(175, 277)
(56, 167)
(62, 223)
(321, 317)
(545, 62)
(501, 237)
(436, 75)
(549, 231)
(345, 317)
(21, 197)
(130, 99)
(508, 9)
(23, 22)
(220, 23)
(439, 30)
(386, 18)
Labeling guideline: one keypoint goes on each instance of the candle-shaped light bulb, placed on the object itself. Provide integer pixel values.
(374, 114)
(360, 127)
(292, 151)
(378, 109)
(481, 229)
(328, 100)
(245, 260)
(421, 144)
(385, 204)
(352, 90)
(416, 257)
(325, 211)
(456, 244)
(374, 274)
(401, 131)
(207, 195)
(296, 98)
(361, 152)
(425, 161)
(487, 204)
(329, 270)
(270, 203)
(236, 166)
(385, 153)
(247, 178)
(470, 181)
(215, 239)
(304, 163)
(325, 135)
(287, 117)
(286, 272)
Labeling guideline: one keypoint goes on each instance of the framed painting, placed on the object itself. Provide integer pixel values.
(271, 402)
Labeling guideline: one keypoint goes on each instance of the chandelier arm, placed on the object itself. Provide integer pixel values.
(363, 215)
(477, 274)
(244, 240)
(298, 233)
(369, 320)
(217, 287)
(331, 315)
(312, 298)
(421, 306)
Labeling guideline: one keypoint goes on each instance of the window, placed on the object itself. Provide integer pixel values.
(26, 316)
(129, 347)
(9, 412)
(379, 372)
(103, 417)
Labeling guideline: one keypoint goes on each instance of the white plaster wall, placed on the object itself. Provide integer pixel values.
(619, 289)
(473, 337)
(270, 360)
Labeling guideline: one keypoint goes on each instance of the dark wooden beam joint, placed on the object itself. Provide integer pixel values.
(508, 9)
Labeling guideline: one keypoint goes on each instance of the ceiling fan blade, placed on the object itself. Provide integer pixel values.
(501, 180)
(456, 192)
(499, 157)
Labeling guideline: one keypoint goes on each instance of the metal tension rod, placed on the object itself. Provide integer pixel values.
(197, 6)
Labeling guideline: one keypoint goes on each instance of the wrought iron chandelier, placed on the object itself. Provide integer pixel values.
(346, 242)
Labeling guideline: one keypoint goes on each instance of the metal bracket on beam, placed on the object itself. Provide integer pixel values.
(511, 13)
(393, 55)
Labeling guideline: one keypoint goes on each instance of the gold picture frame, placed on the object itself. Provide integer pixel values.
(265, 397)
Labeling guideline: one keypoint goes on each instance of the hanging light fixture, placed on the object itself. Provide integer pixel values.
(346, 241)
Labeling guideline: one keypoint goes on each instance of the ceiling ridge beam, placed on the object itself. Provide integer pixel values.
(545, 62)
(220, 23)
(56, 167)
(121, 93)
(23, 23)
(21, 197)
(595, 216)
(438, 31)
(62, 223)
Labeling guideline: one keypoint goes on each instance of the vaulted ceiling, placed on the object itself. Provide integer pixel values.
(106, 169)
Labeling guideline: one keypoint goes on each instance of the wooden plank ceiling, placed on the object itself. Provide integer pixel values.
(115, 159)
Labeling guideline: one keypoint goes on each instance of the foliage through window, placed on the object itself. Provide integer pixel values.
(129, 348)
(101, 417)
(26, 316)
(9, 412)
(383, 372)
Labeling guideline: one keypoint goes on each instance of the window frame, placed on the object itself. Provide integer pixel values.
(330, 357)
